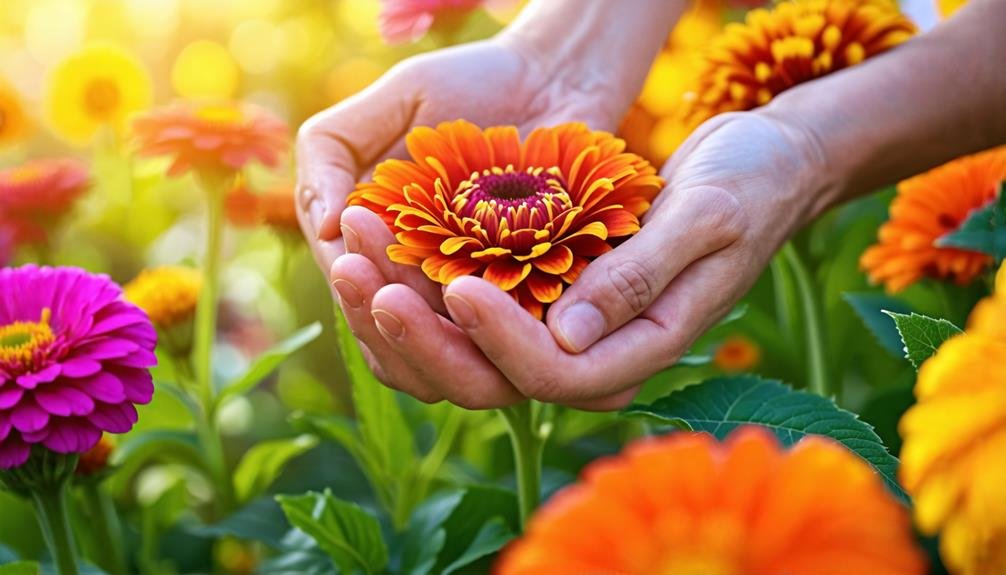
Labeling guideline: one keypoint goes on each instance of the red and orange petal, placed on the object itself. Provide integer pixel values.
(795, 41)
(212, 138)
(926, 208)
(527, 216)
(686, 504)
(34, 195)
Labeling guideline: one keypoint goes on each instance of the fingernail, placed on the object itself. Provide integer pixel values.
(461, 311)
(351, 238)
(581, 324)
(388, 323)
(348, 293)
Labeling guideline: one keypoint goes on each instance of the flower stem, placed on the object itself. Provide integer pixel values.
(813, 323)
(528, 438)
(205, 334)
(50, 510)
(107, 529)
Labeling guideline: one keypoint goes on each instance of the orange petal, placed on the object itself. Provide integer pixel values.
(506, 273)
(557, 261)
(544, 287)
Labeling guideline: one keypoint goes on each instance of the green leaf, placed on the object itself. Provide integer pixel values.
(161, 445)
(261, 520)
(21, 568)
(382, 425)
(425, 536)
(269, 361)
(490, 539)
(351, 536)
(263, 463)
(479, 505)
(871, 308)
(922, 335)
(720, 405)
(984, 230)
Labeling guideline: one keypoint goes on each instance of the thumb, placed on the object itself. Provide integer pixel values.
(622, 283)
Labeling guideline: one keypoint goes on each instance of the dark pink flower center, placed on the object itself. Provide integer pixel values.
(527, 199)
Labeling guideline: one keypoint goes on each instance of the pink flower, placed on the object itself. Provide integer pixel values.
(74, 359)
(409, 20)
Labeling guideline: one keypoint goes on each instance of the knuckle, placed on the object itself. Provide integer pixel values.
(633, 283)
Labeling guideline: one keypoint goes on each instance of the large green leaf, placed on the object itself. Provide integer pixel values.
(21, 568)
(161, 445)
(870, 308)
(922, 335)
(425, 536)
(984, 230)
(720, 405)
(351, 536)
(491, 538)
(269, 361)
(479, 505)
(263, 463)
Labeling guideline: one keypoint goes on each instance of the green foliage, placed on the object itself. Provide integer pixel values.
(268, 362)
(21, 568)
(720, 405)
(348, 534)
(262, 464)
(922, 335)
(871, 308)
(984, 230)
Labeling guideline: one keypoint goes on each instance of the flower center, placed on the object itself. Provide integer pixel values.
(102, 98)
(22, 343)
(529, 198)
(227, 115)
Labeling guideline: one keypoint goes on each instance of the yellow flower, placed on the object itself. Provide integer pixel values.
(102, 85)
(954, 457)
(168, 294)
(14, 125)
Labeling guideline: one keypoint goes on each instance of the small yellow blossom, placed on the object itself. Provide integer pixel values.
(168, 294)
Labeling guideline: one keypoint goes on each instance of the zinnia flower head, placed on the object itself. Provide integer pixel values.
(410, 20)
(275, 208)
(14, 125)
(737, 353)
(524, 216)
(212, 138)
(953, 460)
(926, 208)
(102, 85)
(35, 195)
(794, 42)
(685, 504)
(74, 359)
(168, 294)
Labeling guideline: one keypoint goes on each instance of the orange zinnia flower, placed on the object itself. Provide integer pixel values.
(794, 42)
(524, 216)
(35, 195)
(685, 504)
(275, 208)
(212, 138)
(737, 353)
(928, 207)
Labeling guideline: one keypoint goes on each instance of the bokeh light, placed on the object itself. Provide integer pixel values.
(205, 69)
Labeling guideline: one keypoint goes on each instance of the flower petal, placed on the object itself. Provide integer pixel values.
(506, 274)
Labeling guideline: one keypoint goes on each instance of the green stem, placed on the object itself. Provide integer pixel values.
(528, 441)
(107, 529)
(205, 334)
(50, 510)
(813, 324)
(784, 293)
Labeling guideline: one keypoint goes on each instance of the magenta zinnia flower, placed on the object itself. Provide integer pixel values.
(74, 359)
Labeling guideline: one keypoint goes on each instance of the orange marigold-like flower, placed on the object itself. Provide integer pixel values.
(33, 196)
(212, 138)
(737, 353)
(954, 455)
(794, 42)
(684, 504)
(926, 208)
(524, 216)
(275, 208)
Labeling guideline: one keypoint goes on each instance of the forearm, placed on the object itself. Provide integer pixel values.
(596, 46)
(939, 96)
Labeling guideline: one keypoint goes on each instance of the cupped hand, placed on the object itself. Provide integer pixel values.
(489, 83)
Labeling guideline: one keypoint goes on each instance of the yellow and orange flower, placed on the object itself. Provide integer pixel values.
(14, 124)
(926, 208)
(737, 353)
(218, 139)
(794, 42)
(275, 208)
(953, 461)
(686, 505)
(35, 195)
(524, 216)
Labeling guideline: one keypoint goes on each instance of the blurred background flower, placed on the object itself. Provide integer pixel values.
(14, 124)
(37, 195)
